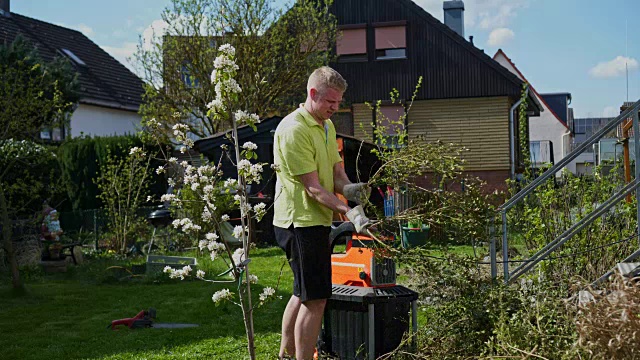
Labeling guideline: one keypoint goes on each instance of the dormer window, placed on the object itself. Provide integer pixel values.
(73, 57)
(351, 43)
(391, 40)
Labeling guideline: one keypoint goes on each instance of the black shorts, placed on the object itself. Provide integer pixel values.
(309, 256)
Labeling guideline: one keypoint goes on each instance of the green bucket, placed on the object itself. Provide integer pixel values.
(412, 237)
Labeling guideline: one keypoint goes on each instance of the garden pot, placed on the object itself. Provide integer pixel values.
(412, 237)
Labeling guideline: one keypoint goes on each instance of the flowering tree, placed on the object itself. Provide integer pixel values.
(207, 182)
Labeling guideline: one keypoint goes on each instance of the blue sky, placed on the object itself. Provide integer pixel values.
(576, 46)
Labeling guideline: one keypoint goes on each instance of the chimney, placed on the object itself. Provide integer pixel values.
(453, 15)
(5, 8)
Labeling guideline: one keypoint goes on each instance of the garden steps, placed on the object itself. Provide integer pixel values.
(54, 266)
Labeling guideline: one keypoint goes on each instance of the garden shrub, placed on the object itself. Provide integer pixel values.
(34, 177)
(558, 204)
(81, 159)
(467, 315)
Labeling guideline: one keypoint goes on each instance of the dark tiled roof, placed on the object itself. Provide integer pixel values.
(104, 81)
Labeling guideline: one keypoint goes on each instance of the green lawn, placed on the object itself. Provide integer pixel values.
(64, 316)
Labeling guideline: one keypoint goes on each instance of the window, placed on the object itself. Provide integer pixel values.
(187, 78)
(52, 134)
(390, 121)
(73, 57)
(391, 42)
(351, 44)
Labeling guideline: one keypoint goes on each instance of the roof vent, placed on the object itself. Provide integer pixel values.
(73, 57)
(454, 15)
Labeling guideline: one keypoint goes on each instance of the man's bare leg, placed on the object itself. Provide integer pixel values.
(287, 343)
(308, 327)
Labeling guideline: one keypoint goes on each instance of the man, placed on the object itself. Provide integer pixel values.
(306, 152)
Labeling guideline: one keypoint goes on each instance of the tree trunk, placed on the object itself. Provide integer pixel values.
(247, 313)
(7, 244)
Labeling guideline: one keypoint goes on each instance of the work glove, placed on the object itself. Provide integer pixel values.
(358, 219)
(358, 193)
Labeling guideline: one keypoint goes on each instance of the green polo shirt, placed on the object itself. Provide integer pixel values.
(301, 146)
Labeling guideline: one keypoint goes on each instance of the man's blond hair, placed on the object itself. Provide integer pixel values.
(325, 77)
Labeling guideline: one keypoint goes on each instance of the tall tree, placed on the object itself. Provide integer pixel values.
(276, 50)
(33, 95)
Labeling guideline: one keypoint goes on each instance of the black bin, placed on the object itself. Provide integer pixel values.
(365, 323)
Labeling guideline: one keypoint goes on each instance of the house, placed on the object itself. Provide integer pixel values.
(550, 133)
(584, 128)
(467, 98)
(110, 94)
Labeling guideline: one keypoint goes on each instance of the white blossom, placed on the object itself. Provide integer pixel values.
(227, 49)
(223, 62)
(212, 236)
(187, 225)
(149, 198)
(160, 170)
(275, 167)
(200, 274)
(231, 183)
(223, 294)
(171, 182)
(249, 146)
(260, 210)
(214, 78)
(224, 217)
(183, 149)
(237, 231)
(215, 246)
(173, 160)
(267, 293)
(168, 197)
(245, 208)
(153, 123)
(238, 256)
(206, 214)
(253, 279)
(202, 244)
(243, 117)
(136, 151)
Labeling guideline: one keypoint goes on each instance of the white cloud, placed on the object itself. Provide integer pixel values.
(83, 28)
(611, 111)
(482, 14)
(500, 36)
(613, 68)
(123, 53)
(153, 33)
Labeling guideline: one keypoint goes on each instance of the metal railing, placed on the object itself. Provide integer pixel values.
(631, 112)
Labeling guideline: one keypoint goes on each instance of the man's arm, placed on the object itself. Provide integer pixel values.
(340, 178)
(313, 188)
